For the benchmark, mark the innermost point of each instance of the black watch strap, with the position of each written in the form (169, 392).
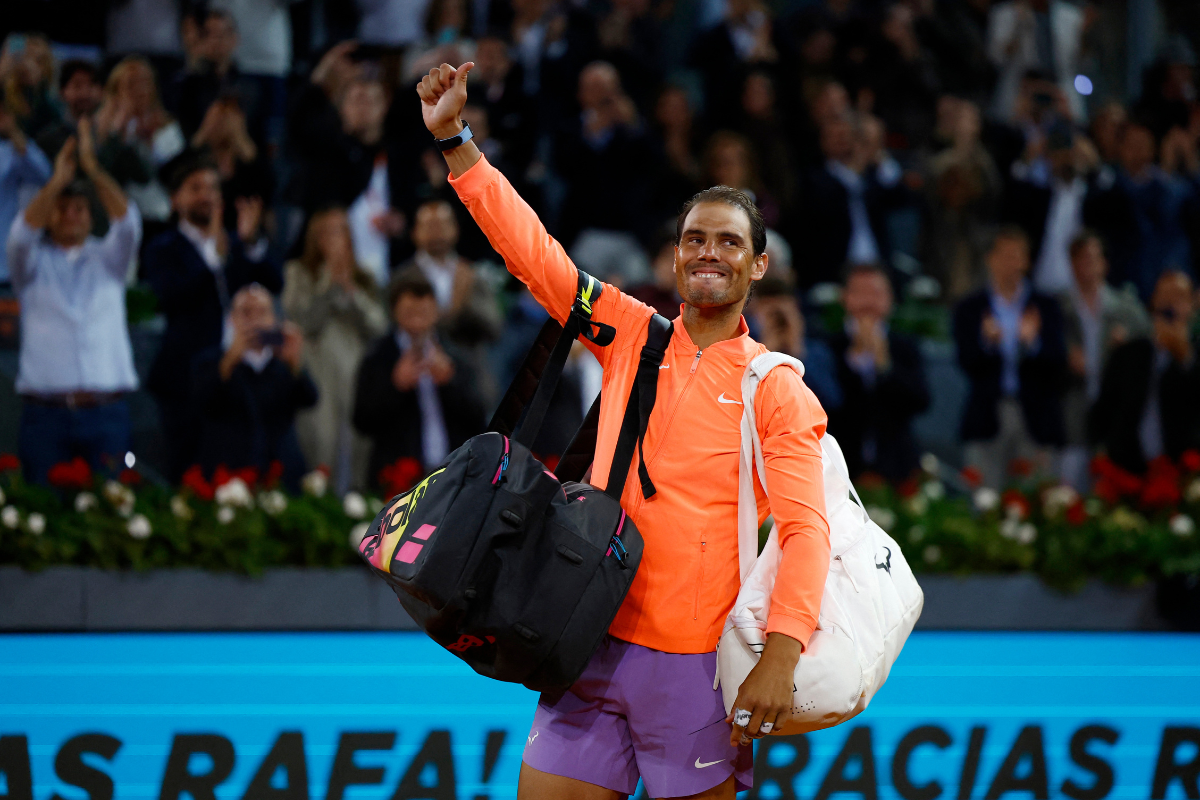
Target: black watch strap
(454, 141)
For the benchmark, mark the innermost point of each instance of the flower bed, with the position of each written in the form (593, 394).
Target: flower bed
(1131, 530)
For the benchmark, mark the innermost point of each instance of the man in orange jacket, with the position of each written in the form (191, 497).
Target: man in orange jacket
(646, 705)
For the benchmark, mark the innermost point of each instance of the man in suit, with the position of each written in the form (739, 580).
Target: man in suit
(846, 201)
(413, 399)
(1149, 402)
(195, 269)
(882, 379)
(1011, 347)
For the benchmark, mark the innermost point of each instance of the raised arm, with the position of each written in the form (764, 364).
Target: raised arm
(511, 226)
(110, 194)
(37, 213)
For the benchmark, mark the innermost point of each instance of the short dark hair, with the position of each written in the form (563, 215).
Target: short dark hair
(410, 280)
(730, 197)
(1011, 233)
(183, 166)
(74, 65)
(1081, 241)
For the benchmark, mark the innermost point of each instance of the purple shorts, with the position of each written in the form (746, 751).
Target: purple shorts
(640, 712)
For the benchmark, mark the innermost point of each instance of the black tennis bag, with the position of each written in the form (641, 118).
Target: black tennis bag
(516, 570)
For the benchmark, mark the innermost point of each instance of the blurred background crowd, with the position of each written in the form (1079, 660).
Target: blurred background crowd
(230, 240)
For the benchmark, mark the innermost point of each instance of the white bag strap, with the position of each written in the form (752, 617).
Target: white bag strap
(752, 457)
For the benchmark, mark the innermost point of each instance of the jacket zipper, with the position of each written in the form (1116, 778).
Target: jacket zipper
(699, 583)
(678, 402)
(503, 465)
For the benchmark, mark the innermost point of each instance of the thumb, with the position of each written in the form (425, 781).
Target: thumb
(460, 75)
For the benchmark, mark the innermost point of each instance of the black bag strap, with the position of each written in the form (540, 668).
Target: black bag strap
(637, 411)
(581, 452)
(579, 323)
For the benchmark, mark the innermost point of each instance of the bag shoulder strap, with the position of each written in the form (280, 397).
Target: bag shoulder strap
(533, 387)
(637, 411)
(752, 457)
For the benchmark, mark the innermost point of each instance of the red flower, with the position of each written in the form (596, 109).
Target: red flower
(1190, 460)
(9, 462)
(130, 477)
(1107, 491)
(249, 475)
(1161, 489)
(1020, 467)
(194, 481)
(221, 476)
(400, 476)
(75, 474)
(908, 488)
(1113, 482)
(973, 476)
(1077, 513)
(274, 474)
(324, 469)
(1014, 499)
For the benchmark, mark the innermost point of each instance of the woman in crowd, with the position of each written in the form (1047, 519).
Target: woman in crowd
(133, 112)
(335, 303)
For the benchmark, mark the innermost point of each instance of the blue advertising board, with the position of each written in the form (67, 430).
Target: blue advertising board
(358, 716)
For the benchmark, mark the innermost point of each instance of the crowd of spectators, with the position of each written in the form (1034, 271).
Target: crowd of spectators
(260, 165)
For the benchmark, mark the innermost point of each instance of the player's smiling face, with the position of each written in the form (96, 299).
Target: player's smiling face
(714, 260)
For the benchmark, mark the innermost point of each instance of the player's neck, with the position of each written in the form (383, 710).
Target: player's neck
(707, 326)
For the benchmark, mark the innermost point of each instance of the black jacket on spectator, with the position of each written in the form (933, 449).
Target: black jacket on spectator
(881, 413)
(392, 418)
(607, 188)
(1116, 417)
(824, 222)
(189, 94)
(189, 297)
(248, 420)
(1042, 374)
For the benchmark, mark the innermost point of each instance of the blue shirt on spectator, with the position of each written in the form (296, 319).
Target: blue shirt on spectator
(17, 172)
(1008, 317)
(74, 335)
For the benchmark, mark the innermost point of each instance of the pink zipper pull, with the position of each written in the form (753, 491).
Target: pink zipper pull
(695, 362)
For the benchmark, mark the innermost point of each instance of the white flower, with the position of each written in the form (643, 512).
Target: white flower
(1182, 525)
(1192, 494)
(1058, 499)
(357, 533)
(85, 501)
(883, 517)
(354, 505)
(121, 497)
(10, 517)
(1009, 526)
(916, 533)
(139, 527)
(274, 502)
(918, 504)
(315, 483)
(225, 515)
(934, 490)
(986, 499)
(36, 524)
(824, 294)
(932, 553)
(234, 492)
(930, 463)
(180, 507)
(1026, 533)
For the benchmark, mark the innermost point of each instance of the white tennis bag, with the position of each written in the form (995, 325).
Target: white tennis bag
(871, 599)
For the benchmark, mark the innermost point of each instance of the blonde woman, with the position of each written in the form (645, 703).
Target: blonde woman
(335, 302)
(133, 112)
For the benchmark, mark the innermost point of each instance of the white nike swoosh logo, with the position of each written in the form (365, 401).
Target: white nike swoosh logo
(709, 764)
(665, 366)
(724, 399)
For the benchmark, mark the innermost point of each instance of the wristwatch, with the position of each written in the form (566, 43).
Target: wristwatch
(454, 141)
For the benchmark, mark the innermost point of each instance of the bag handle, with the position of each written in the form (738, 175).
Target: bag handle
(637, 411)
(579, 323)
(752, 456)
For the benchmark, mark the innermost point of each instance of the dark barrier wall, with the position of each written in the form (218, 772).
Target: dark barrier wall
(357, 716)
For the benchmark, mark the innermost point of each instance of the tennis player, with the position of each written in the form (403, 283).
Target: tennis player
(646, 705)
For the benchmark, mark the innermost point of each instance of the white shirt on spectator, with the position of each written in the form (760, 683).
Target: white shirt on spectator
(372, 248)
(205, 245)
(74, 335)
(264, 35)
(440, 274)
(862, 248)
(1052, 274)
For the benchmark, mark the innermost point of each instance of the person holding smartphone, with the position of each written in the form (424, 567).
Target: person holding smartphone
(248, 391)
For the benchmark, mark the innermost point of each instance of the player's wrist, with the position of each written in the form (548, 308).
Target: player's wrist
(447, 130)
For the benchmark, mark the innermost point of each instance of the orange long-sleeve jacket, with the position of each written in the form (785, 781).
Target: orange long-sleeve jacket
(689, 576)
